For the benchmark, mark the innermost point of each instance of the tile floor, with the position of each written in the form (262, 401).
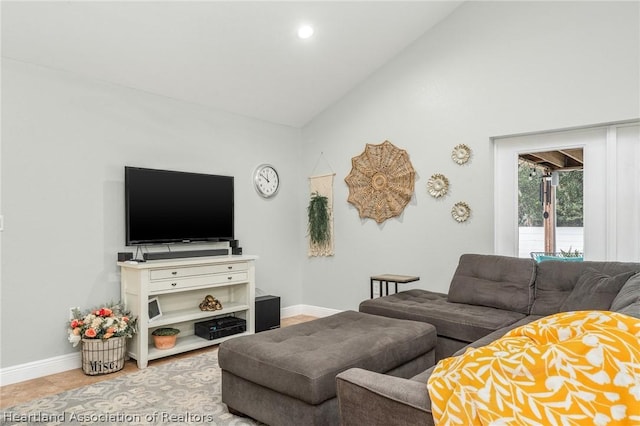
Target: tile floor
(18, 393)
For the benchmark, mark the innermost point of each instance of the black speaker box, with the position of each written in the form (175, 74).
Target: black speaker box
(267, 313)
(124, 256)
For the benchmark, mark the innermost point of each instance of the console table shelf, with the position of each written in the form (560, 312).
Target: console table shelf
(184, 315)
(180, 285)
(188, 343)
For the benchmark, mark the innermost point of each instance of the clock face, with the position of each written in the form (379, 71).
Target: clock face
(266, 180)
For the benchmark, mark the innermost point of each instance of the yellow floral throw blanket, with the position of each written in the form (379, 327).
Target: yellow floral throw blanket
(571, 368)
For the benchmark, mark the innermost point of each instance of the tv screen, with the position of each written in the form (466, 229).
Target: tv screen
(165, 206)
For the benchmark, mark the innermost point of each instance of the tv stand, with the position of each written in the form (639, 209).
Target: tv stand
(180, 285)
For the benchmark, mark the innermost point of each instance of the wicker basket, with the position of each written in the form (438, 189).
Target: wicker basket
(103, 356)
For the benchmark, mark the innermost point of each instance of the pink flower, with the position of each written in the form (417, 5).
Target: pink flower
(105, 312)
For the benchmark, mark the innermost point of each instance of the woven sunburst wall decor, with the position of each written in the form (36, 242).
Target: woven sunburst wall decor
(381, 181)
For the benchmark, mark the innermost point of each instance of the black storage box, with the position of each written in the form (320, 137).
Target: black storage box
(220, 327)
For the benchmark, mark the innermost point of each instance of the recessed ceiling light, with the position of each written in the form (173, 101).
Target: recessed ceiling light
(305, 31)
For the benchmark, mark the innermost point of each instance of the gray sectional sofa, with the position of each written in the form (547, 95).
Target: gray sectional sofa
(488, 296)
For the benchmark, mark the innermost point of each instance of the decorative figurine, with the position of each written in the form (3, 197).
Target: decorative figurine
(210, 303)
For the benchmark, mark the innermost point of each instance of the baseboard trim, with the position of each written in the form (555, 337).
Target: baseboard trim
(314, 311)
(41, 368)
(59, 364)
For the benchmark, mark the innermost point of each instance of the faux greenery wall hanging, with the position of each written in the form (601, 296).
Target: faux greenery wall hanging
(320, 216)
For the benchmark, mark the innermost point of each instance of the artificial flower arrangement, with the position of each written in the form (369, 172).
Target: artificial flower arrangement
(104, 323)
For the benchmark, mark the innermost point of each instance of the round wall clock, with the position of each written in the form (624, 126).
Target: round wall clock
(266, 180)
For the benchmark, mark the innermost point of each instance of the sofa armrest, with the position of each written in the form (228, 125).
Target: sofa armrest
(369, 398)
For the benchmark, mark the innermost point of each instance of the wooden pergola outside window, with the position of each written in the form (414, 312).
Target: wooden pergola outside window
(552, 162)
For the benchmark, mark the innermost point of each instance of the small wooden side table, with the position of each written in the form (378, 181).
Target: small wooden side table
(391, 278)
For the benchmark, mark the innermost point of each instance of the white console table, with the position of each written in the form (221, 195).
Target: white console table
(180, 285)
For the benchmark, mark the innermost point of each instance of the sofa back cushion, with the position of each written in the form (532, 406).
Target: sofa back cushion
(594, 290)
(495, 281)
(555, 281)
(627, 301)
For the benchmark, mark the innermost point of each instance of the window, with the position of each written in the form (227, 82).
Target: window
(550, 204)
(611, 187)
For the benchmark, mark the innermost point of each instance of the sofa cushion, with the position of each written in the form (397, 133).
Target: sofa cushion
(495, 281)
(556, 280)
(489, 338)
(633, 310)
(424, 376)
(594, 290)
(628, 294)
(457, 321)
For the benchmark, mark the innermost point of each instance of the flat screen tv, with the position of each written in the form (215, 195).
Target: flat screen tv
(164, 206)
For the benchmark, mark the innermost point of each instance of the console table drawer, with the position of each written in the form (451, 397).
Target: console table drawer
(200, 281)
(163, 274)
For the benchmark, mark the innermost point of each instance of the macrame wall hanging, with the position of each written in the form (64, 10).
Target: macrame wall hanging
(381, 181)
(320, 214)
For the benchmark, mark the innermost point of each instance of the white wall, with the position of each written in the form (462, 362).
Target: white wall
(625, 178)
(65, 141)
(492, 68)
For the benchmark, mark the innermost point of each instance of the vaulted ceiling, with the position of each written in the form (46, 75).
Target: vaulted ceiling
(238, 56)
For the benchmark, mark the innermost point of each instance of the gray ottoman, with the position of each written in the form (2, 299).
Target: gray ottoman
(287, 376)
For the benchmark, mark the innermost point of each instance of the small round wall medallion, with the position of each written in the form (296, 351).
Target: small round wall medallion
(461, 211)
(461, 154)
(438, 185)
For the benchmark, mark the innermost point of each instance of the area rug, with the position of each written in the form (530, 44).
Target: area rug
(182, 392)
